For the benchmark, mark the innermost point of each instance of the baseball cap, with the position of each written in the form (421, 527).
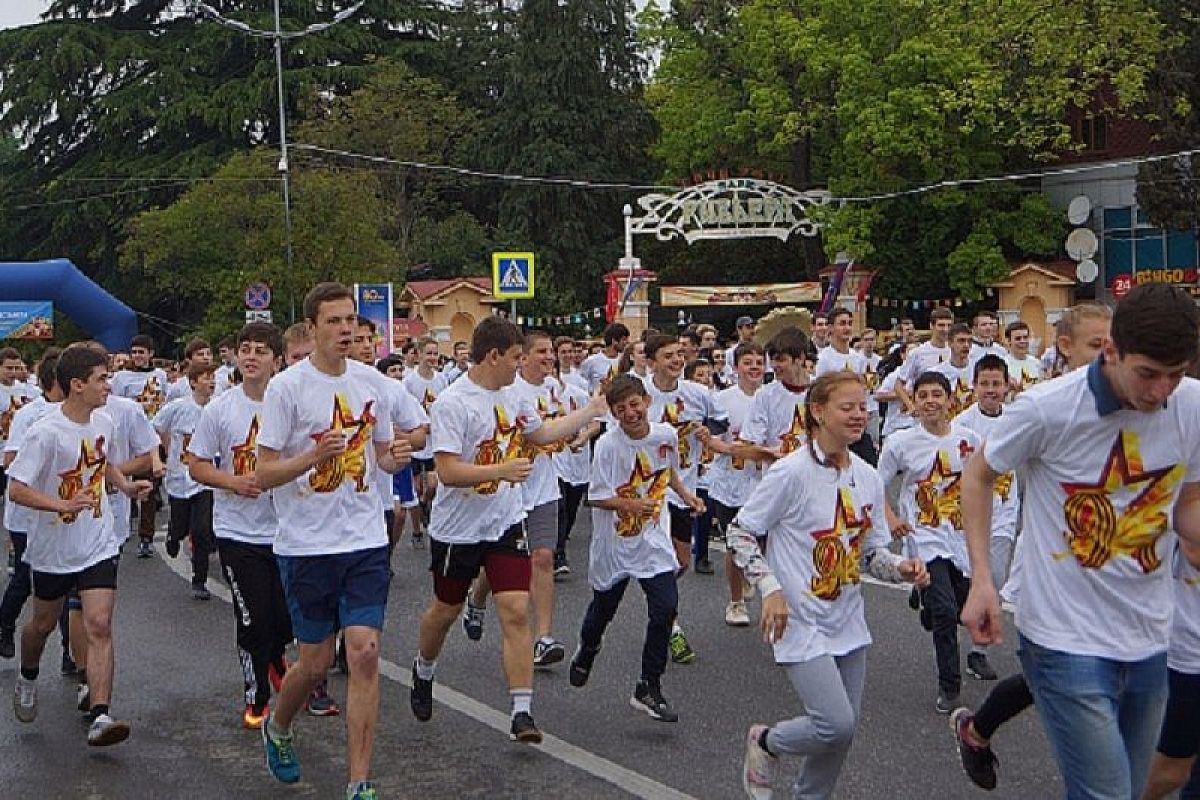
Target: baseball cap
(744, 321)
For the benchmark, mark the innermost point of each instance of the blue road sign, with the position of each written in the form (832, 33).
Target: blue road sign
(512, 275)
(258, 297)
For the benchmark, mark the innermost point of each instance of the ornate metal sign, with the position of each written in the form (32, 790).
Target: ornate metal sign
(732, 208)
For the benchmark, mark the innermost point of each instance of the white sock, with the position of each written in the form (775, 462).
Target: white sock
(522, 700)
(425, 669)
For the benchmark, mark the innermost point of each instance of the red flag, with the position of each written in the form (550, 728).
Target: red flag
(612, 298)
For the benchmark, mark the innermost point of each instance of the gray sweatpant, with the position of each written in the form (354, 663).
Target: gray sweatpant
(830, 688)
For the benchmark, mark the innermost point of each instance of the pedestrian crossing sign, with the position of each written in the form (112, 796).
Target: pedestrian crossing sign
(512, 275)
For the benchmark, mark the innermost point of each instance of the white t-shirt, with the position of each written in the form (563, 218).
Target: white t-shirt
(573, 467)
(962, 386)
(820, 521)
(148, 389)
(597, 369)
(830, 360)
(1025, 371)
(925, 357)
(62, 458)
(17, 517)
(930, 470)
(979, 350)
(425, 391)
(12, 398)
(330, 508)
(1006, 500)
(1184, 652)
(684, 408)
(624, 545)
(776, 418)
(223, 378)
(178, 420)
(732, 479)
(480, 426)
(1100, 488)
(870, 377)
(895, 419)
(407, 415)
(575, 377)
(182, 387)
(541, 486)
(227, 435)
(133, 436)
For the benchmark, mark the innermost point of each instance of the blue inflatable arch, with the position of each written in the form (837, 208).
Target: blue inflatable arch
(105, 317)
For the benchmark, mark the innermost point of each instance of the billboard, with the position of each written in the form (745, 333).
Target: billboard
(27, 320)
(374, 301)
(758, 294)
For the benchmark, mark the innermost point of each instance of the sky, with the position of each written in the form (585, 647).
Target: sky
(20, 12)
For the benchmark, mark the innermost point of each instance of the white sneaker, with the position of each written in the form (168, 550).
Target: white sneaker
(758, 767)
(105, 730)
(747, 589)
(736, 615)
(83, 698)
(25, 700)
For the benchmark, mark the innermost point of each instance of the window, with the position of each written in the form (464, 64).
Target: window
(1131, 243)
(1091, 132)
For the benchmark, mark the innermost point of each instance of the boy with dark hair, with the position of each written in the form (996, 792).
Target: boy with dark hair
(481, 429)
(61, 473)
(985, 327)
(424, 383)
(1024, 369)
(774, 424)
(198, 351)
(147, 385)
(634, 465)
(959, 370)
(226, 375)
(1111, 466)
(599, 368)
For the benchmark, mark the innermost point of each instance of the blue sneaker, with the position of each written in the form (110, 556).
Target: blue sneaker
(363, 790)
(281, 755)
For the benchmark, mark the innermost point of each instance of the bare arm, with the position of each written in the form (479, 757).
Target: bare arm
(564, 427)
(981, 613)
(1187, 516)
(274, 470)
(25, 495)
(1191, 552)
(204, 471)
(453, 471)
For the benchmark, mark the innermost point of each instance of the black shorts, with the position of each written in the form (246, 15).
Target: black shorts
(681, 523)
(54, 585)
(1180, 736)
(421, 465)
(723, 513)
(505, 560)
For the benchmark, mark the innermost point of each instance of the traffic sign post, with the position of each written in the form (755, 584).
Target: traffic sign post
(258, 297)
(512, 276)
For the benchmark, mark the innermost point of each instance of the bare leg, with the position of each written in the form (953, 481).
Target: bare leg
(435, 623)
(362, 699)
(480, 590)
(512, 608)
(97, 624)
(541, 590)
(299, 681)
(1167, 776)
(35, 632)
(737, 581)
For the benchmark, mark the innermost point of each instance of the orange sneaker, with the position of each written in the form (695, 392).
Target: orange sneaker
(252, 717)
(275, 676)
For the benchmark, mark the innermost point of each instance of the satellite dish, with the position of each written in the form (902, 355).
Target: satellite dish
(1079, 210)
(1087, 271)
(1082, 244)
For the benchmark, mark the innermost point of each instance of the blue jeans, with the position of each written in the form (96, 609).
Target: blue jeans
(1102, 717)
(701, 528)
(662, 601)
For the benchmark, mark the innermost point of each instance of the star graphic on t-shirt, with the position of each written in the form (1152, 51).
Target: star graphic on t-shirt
(15, 403)
(962, 396)
(150, 397)
(835, 563)
(791, 439)
(1124, 512)
(245, 455)
(351, 463)
(505, 444)
(644, 482)
(938, 494)
(673, 416)
(77, 479)
(428, 398)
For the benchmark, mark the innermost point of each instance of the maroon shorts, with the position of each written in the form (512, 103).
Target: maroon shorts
(504, 561)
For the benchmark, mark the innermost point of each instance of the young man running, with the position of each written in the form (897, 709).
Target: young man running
(840, 357)
(1109, 455)
(572, 464)
(928, 460)
(985, 327)
(190, 502)
(459, 365)
(61, 473)
(927, 355)
(601, 367)
(1024, 369)
(774, 424)
(635, 464)
(244, 517)
(744, 328)
(732, 478)
(197, 353)
(326, 425)
(424, 383)
(480, 428)
(959, 370)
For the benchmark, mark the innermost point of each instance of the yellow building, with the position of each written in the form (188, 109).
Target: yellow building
(1036, 294)
(447, 310)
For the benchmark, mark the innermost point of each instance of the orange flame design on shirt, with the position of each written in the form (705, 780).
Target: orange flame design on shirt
(938, 494)
(836, 564)
(245, 455)
(683, 429)
(1097, 533)
(77, 479)
(428, 398)
(505, 444)
(6, 417)
(791, 439)
(150, 397)
(328, 475)
(643, 482)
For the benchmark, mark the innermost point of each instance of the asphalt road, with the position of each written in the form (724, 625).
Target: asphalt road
(179, 683)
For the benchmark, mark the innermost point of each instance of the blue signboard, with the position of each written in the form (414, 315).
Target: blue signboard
(512, 275)
(374, 301)
(27, 320)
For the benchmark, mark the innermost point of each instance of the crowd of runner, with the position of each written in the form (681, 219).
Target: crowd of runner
(1065, 486)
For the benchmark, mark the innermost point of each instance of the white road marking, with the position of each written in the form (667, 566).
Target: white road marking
(630, 781)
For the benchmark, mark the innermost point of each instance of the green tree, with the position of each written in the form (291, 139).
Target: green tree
(224, 234)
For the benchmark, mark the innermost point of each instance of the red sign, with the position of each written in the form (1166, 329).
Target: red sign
(1121, 284)
(1176, 275)
(403, 329)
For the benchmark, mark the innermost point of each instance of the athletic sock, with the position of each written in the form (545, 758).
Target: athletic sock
(98, 709)
(425, 669)
(274, 731)
(30, 673)
(762, 741)
(522, 700)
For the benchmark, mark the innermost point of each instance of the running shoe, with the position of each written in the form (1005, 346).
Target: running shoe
(83, 698)
(547, 652)
(524, 729)
(472, 622)
(281, 754)
(758, 766)
(253, 716)
(979, 762)
(681, 651)
(144, 550)
(736, 614)
(105, 731)
(418, 543)
(363, 790)
(979, 668)
(69, 667)
(420, 697)
(561, 567)
(172, 547)
(704, 567)
(201, 592)
(647, 696)
(8, 644)
(25, 699)
(581, 665)
(946, 701)
(320, 704)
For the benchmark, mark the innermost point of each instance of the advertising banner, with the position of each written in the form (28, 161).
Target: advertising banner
(374, 301)
(759, 294)
(27, 320)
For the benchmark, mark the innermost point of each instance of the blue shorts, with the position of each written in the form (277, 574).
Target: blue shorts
(342, 590)
(402, 486)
